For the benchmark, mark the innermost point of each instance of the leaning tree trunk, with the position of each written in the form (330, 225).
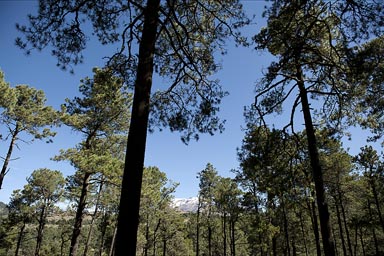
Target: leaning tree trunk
(325, 224)
(9, 153)
(20, 238)
(128, 219)
(79, 215)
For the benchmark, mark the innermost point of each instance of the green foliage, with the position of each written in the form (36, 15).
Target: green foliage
(24, 110)
(190, 35)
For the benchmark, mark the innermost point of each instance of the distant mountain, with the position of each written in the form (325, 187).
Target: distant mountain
(186, 204)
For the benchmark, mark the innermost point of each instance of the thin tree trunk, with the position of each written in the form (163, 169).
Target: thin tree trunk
(164, 247)
(340, 227)
(103, 230)
(274, 245)
(373, 229)
(345, 223)
(40, 230)
(209, 240)
(303, 233)
(315, 225)
(198, 228)
(225, 234)
(93, 220)
(19, 239)
(376, 197)
(79, 215)
(286, 229)
(9, 153)
(325, 224)
(334, 240)
(233, 241)
(128, 219)
(362, 241)
(112, 250)
(356, 228)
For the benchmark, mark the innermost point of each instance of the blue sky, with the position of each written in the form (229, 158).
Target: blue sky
(241, 69)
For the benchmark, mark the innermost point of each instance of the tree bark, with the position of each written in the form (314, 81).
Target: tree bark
(198, 228)
(128, 219)
(224, 234)
(40, 230)
(325, 224)
(339, 222)
(9, 153)
(20, 238)
(376, 197)
(315, 225)
(345, 222)
(303, 233)
(93, 220)
(79, 215)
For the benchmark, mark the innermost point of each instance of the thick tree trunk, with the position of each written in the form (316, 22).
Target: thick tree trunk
(128, 219)
(8, 156)
(325, 224)
(79, 215)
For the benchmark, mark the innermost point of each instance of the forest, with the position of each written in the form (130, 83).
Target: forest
(296, 191)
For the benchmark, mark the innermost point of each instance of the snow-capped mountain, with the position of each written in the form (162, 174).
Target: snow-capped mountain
(186, 204)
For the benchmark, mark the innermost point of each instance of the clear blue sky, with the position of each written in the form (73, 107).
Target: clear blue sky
(241, 69)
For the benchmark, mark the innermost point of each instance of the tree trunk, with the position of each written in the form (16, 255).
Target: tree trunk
(362, 241)
(198, 228)
(345, 223)
(356, 228)
(376, 197)
(9, 153)
(209, 240)
(233, 241)
(325, 224)
(225, 234)
(373, 229)
(285, 219)
(112, 249)
(315, 224)
(164, 247)
(93, 220)
(40, 230)
(79, 215)
(303, 233)
(128, 219)
(340, 227)
(19, 239)
(103, 230)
